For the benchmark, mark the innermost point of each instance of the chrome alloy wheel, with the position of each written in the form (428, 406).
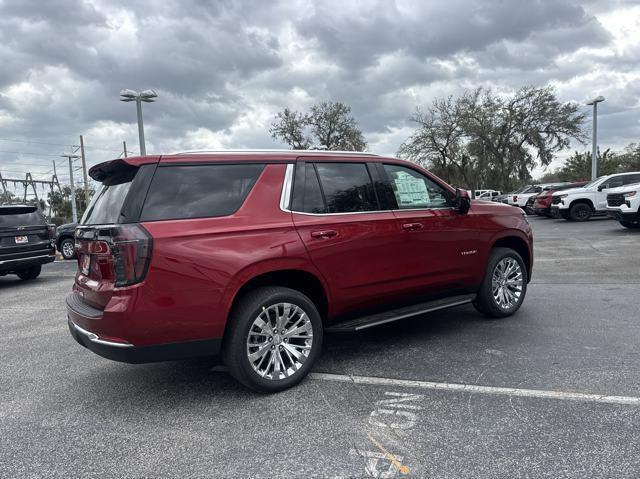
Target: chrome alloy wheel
(68, 249)
(279, 341)
(506, 283)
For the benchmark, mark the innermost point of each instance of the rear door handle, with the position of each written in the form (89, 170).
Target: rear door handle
(324, 234)
(412, 226)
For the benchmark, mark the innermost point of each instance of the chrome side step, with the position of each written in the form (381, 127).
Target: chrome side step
(370, 321)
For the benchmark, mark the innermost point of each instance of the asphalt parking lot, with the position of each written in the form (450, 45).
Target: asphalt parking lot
(552, 392)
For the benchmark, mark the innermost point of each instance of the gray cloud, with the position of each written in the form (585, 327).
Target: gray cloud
(223, 69)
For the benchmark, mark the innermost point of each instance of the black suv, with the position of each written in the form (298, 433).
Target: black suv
(26, 241)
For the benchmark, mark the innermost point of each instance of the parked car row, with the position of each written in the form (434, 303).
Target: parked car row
(580, 204)
(616, 195)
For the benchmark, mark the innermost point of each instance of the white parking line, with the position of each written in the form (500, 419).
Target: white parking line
(470, 388)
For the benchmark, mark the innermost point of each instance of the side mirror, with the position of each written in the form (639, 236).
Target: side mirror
(462, 202)
(601, 187)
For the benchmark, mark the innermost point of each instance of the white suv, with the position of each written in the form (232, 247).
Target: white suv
(580, 204)
(623, 204)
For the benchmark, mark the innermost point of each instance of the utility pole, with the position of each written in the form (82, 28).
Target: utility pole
(84, 171)
(124, 148)
(594, 139)
(74, 209)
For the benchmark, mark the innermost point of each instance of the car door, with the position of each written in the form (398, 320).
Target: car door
(601, 192)
(349, 235)
(438, 244)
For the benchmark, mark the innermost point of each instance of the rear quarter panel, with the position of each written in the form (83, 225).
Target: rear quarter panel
(198, 264)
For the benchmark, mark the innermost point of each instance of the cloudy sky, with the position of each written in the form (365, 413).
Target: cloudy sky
(224, 68)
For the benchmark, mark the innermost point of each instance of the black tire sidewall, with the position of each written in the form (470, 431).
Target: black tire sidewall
(249, 307)
(485, 302)
(30, 273)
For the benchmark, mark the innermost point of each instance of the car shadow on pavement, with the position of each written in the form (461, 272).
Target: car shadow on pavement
(180, 382)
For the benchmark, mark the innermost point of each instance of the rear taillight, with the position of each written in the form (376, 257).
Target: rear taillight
(51, 229)
(131, 250)
(118, 253)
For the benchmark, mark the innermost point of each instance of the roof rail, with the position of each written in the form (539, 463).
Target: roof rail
(266, 151)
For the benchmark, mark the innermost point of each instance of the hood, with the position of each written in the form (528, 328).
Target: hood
(571, 191)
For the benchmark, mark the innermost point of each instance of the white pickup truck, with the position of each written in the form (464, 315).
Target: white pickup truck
(623, 204)
(580, 204)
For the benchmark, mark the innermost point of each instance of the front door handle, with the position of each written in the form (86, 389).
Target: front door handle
(412, 226)
(324, 234)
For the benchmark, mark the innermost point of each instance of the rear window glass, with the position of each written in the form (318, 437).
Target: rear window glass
(106, 204)
(12, 217)
(198, 191)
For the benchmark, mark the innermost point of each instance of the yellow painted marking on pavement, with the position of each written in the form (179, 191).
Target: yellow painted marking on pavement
(403, 469)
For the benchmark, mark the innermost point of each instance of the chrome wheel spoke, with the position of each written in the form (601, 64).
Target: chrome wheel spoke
(507, 283)
(279, 341)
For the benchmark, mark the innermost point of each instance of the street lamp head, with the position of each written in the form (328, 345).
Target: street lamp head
(128, 95)
(148, 96)
(597, 99)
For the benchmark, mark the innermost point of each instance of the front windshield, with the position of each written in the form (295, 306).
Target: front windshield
(592, 183)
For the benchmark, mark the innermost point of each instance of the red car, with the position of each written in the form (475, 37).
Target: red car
(542, 202)
(256, 255)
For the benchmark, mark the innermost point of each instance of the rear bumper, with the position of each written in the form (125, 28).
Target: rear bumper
(15, 264)
(123, 351)
(128, 353)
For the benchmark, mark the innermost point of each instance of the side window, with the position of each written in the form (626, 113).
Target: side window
(631, 179)
(307, 197)
(614, 182)
(347, 187)
(414, 190)
(198, 191)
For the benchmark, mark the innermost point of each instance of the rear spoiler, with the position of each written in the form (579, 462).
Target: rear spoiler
(120, 170)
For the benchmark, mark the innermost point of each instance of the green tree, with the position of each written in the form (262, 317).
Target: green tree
(483, 139)
(60, 203)
(327, 126)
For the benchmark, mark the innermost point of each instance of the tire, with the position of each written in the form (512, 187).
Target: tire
(270, 303)
(67, 248)
(580, 212)
(630, 225)
(486, 302)
(29, 273)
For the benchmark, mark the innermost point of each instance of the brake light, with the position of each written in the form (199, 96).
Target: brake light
(131, 251)
(114, 253)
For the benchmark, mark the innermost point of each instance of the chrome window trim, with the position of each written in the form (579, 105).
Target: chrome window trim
(287, 188)
(95, 339)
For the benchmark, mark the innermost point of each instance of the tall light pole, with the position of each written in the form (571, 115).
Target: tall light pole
(147, 96)
(74, 209)
(594, 146)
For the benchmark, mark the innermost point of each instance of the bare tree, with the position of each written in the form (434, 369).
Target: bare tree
(481, 138)
(327, 126)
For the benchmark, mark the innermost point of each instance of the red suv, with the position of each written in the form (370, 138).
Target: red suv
(542, 202)
(256, 254)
